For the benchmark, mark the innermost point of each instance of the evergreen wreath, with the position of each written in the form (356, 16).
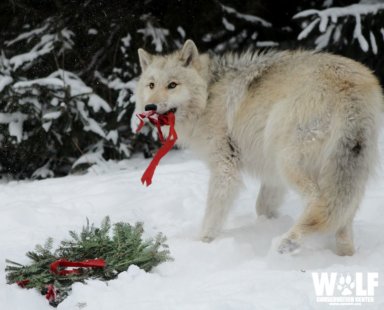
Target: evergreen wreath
(108, 254)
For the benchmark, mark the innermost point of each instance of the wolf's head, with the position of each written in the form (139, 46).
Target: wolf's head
(173, 82)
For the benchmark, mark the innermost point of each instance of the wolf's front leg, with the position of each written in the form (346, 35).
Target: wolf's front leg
(224, 185)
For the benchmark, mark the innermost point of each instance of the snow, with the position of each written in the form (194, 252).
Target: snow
(158, 35)
(89, 123)
(77, 87)
(307, 30)
(92, 157)
(45, 45)
(373, 42)
(357, 34)
(15, 123)
(246, 17)
(335, 12)
(66, 38)
(113, 136)
(66, 78)
(97, 103)
(229, 26)
(181, 31)
(19, 60)
(123, 149)
(43, 172)
(239, 270)
(43, 81)
(28, 100)
(46, 126)
(52, 115)
(266, 44)
(116, 83)
(29, 35)
(127, 40)
(337, 34)
(5, 81)
(322, 41)
(92, 31)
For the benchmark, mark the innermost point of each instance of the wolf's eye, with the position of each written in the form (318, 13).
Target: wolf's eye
(171, 85)
(151, 85)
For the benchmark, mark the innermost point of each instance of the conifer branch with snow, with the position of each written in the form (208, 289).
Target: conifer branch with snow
(327, 22)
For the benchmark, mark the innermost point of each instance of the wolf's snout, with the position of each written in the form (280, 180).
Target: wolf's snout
(150, 107)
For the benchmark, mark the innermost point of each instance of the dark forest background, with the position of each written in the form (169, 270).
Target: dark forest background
(68, 68)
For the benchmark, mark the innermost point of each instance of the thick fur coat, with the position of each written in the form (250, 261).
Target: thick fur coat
(295, 119)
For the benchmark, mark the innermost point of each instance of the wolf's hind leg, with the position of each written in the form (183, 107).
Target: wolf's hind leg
(315, 215)
(337, 193)
(269, 199)
(315, 218)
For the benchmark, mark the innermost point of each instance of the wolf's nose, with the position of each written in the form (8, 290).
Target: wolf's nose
(150, 107)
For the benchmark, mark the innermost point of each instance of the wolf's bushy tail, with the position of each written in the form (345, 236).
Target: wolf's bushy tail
(350, 162)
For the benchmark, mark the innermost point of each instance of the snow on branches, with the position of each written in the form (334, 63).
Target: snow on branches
(239, 27)
(327, 21)
(47, 123)
(45, 38)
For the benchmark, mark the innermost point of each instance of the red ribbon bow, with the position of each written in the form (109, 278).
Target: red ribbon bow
(158, 120)
(89, 263)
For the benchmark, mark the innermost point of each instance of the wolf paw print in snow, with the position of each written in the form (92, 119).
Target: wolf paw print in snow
(345, 285)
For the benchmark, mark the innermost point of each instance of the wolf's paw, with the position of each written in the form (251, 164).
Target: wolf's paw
(345, 285)
(267, 215)
(288, 246)
(345, 249)
(207, 239)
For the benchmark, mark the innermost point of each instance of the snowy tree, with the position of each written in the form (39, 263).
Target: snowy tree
(48, 122)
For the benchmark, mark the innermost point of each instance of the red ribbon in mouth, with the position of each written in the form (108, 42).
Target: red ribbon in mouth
(158, 120)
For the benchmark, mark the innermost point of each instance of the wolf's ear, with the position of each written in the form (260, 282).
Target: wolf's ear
(145, 58)
(189, 53)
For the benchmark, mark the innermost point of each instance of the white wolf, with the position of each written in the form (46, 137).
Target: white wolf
(296, 119)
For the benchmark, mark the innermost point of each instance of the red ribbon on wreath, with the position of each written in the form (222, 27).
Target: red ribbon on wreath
(89, 263)
(158, 120)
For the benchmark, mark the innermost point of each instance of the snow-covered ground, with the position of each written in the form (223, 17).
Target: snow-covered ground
(239, 270)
